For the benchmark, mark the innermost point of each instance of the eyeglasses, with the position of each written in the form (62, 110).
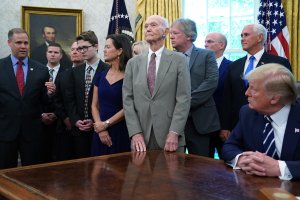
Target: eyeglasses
(212, 41)
(84, 49)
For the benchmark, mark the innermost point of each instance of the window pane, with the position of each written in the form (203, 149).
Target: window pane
(237, 25)
(242, 7)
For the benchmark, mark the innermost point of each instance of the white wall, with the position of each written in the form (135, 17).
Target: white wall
(96, 14)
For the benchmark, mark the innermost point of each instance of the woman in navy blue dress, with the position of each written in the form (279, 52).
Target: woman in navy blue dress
(111, 134)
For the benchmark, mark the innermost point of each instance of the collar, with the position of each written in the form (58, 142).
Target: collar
(189, 51)
(157, 53)
(219, 60)
(258, 55)
(281, 116)
(94, 65)
(15, 60)
(56, 68)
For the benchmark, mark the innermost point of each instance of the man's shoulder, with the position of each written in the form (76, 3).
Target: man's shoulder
(5, 59)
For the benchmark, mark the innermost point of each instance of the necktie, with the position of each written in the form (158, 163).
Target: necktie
(20, 77)
(249, 68)
(269, 140)
(88, 82)
(151, 73)
(51, 75)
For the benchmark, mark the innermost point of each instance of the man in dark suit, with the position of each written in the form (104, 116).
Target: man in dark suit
(49, 116)
(253, 38)
(79, 104)
(217, 42)
(23, 91)
(39, 53)
(203, 120)
(266, 139)
(156, 93)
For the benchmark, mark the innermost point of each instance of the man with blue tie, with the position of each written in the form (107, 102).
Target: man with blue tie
(266, 139)
(253, 38)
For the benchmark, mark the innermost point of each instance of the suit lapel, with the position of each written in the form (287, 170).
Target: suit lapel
(263, 60)
(29, 78)
(194, 55)
(142, 65)
(291, 135)
(11, 76)
(165, 63)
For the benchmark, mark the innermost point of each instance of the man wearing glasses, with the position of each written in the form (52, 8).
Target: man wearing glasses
(79, 93)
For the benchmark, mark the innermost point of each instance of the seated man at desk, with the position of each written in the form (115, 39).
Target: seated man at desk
(266, 140)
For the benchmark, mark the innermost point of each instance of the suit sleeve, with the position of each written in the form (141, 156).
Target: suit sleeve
(234, 145)
(294, 167)
(183, 98)
(206, 89)
(131, 117)
(225, 114)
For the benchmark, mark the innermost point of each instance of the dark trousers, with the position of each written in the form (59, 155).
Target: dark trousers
(81, 143)
(216, 143)
(30, 152)
(197, 143)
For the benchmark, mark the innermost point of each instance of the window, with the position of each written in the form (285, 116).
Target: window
(225, 16)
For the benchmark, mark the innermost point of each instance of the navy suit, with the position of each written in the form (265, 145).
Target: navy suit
(74, 99)
(247, 136)
(216, 141)
(234, 88)
(20, 116)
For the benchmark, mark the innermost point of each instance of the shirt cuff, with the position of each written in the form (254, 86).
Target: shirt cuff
(234, 161)
(284, 171)
(174, 132)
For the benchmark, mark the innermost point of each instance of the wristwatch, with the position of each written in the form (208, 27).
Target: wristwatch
(106, 124)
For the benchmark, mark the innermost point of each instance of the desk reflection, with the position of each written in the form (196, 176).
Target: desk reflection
(136, 175)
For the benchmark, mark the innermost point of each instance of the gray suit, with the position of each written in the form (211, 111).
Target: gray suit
(203, 118)
(168, 108)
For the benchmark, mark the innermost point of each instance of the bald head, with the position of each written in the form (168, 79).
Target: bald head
(216, 42)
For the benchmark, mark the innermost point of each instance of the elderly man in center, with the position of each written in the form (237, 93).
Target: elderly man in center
(156, 93)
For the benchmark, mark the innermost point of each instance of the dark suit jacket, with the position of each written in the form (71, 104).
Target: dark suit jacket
(247, 136)
(204, 80)
(39, 54)
(218, 95)
(50, 107)
(234, 88)
(22, 114)
(75, 96)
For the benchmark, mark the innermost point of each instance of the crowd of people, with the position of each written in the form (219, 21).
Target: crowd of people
(146, 97)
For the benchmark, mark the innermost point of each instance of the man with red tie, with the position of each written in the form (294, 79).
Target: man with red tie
(24, 88)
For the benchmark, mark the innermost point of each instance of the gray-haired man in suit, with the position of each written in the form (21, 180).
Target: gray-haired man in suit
(203, 121)
(156, 93)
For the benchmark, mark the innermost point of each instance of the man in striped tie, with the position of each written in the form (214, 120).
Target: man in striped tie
(266, 139)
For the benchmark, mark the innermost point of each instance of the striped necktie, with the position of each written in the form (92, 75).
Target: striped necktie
(20, 77)
(269, 140)
(151, 73)
(88, 82)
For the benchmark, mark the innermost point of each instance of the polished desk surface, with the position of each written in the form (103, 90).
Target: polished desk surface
(149, 175)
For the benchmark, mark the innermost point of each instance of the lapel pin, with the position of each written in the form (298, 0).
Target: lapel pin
(31, 69)
(297, 130)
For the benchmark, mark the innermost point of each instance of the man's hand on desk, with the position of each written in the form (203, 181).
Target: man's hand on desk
(171, 142)
(259, 164)
(138, 142)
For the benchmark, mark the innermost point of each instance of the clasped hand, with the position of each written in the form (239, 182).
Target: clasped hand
(257, 163)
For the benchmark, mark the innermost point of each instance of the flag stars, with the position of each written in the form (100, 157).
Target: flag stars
(274, 22)
(275, 13)
(276, 4)
(269, 13)
(274, 31)
(122, 16)
(281, 14)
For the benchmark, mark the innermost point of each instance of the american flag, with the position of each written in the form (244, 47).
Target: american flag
(271, 15)
(119, 20)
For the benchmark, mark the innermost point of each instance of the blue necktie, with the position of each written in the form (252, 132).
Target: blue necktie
(249, 68)
(269, 140)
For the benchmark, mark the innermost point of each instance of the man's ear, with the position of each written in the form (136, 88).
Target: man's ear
(275, 99)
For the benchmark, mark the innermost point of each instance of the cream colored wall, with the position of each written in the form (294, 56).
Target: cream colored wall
(96, 14)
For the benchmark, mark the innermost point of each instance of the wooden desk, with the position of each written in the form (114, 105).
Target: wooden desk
(150, 175)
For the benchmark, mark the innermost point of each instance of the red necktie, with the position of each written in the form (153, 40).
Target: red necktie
(151, 73)
(20, 77)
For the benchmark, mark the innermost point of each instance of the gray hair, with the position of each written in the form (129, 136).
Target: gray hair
(188, 27)
(260, 29)
(13, 31)
(278, 80)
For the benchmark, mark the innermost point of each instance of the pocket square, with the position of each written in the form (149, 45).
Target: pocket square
(297, 130)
